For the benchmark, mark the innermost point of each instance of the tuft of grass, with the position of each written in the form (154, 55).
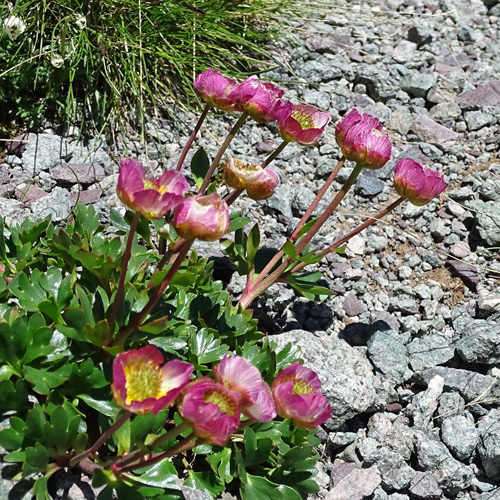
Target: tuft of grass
(90, 62)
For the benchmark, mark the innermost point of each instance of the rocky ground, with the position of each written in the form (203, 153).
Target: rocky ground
(409, 347)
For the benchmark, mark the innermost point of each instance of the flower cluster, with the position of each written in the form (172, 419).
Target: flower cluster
(262, 102)
(213, 407)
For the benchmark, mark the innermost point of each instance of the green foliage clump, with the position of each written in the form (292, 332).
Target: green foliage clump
(56, 291)
(79, 59)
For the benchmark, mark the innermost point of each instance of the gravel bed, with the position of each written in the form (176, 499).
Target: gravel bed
(409, 347)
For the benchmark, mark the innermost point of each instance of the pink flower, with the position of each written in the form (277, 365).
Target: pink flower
(301, 123)
(417, 183)
(211, 410)
(297, 392)
(219, 91)
(259, 182)
(238, 375)
(353, 118)
(259, 99)
(361, 140)
(203, 217)
(153, 198)
(141, 385)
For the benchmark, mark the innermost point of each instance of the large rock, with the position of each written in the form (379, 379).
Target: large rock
(433, 456)
(45, 152)
(346, 374)
(388, 353)
(488, 218)
(480, 340)
(483, 96)
(350, 482)
(489, 444)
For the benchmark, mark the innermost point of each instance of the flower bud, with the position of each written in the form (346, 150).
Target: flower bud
(203, 217)
(259, 100)
(259, 182)
(153, 198)
(361, 140)
(300, 123)
(417, 183)
(219, 91)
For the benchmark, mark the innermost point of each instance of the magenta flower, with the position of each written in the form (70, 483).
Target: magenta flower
(361, 140)
(259, 182)
(297, 392)
(211, 410)
(259, 100)
(238, 375)
(203, 217)
(301, 123)
(417, 183)
(219, 91)
(153, 198)
(353, 118)
(141, 385)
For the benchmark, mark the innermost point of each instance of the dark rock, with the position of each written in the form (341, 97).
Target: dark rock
(425, 487)
(420, 34)
(17, 145)
(417, 84)
(83, 173)
(467, 273)
(428, 130)
(434, 457)
(369, 186)
(471, 385)
(85, 197)
(352, 305)
(489, 445)
(483, 96)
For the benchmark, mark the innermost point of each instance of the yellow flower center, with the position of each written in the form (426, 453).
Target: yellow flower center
(303, 118)
(299, 386)
(222, 400)
(151, 184)
(143, 380)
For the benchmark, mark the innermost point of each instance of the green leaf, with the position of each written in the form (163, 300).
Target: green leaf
(12, 438)
(289, 249)
(260, 488)
(117, 220)
(307, 226)
(44, 380)
(222, 465)
(256, 450)
(103, 406)
(205, 481)
(162, 475)
(37, 459)
(200, 165)
(237, 222)
(40, 488)
(206, 347)
(253, 243)
(34, 423)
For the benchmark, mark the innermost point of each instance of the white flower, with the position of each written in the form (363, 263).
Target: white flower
(80, 21)
(13, 26)
(56, 60)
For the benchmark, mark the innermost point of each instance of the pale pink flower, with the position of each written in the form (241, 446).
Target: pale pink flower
(301, 123)
(211, 410)
(153, 198)
(217, 90)
(259, 182)
(203, 217)
(297, 393)
(417, 183)
(142, 385)
(238, 375)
